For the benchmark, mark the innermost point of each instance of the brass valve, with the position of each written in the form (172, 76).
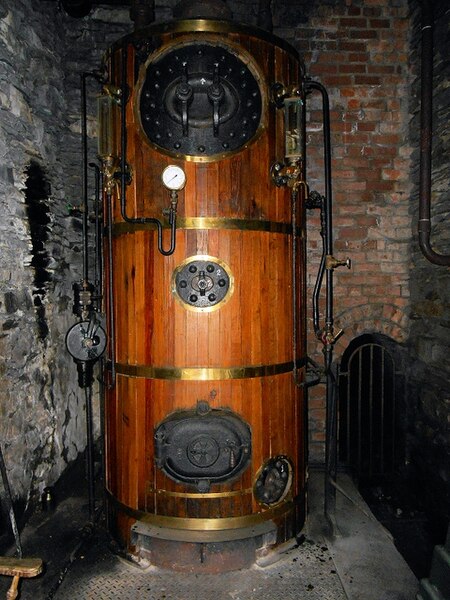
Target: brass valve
(328, 337)
(333, 263)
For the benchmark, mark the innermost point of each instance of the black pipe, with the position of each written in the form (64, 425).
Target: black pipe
(90, 454)
(265, 19)
(315, 200)
(426, 115)
(142, 12)
(327, 333)
(84, 176)
(123, 175)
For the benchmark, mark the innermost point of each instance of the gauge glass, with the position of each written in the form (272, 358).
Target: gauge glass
(173, 177)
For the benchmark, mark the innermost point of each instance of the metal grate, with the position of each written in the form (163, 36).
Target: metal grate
(304, 572)
(371, 393)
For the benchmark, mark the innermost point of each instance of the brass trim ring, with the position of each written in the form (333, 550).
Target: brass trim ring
(210, 223)
(199, 496)
(203, 524)
(206, 373)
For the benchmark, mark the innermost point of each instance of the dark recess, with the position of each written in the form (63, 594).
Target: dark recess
(37, 192)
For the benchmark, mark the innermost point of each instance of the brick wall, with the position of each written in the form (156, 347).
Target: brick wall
(359, 50)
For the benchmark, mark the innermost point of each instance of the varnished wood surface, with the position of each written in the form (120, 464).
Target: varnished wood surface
(254, 327)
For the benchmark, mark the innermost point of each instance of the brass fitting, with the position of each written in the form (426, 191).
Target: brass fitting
(332, 263)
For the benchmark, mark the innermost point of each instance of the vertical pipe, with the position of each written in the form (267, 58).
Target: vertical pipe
(371, 410)
(331, 414)
(90, 453)
(265, 15)
(84, 177)
(426, 115)
(359, 410)
(382, 432)
(142, 12)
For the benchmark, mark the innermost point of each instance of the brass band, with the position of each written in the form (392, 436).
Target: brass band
(210, 223)
(204, 524)
(198, 496)
(206, 373)
(206, 26)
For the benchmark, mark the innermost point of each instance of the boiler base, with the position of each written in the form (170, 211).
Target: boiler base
(170, 549)
(206, 546)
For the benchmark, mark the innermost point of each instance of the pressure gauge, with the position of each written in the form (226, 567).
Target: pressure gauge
(174, 178)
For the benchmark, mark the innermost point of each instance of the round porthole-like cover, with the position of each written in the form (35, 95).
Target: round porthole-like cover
(202, 283)
(200, 100)
(274, 481)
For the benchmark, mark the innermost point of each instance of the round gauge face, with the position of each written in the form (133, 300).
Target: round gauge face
(173, 177)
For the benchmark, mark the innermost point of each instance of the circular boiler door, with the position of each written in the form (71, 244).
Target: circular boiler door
(200, 99)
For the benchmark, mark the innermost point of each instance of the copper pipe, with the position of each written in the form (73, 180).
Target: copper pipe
(426, 115)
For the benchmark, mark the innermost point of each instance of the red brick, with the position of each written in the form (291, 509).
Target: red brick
(380, 69)
(362, 126)
(355, 57)
(324, 68)
(372, 11)
(349, 22)
(352, 46)
(347, 92)
(386, 140)
(363, 34)
(380, 23)
(352, 68)
(367, 80)
(352, 233)
(337, 80)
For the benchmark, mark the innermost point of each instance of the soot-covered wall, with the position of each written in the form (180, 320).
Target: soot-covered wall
(365, 53)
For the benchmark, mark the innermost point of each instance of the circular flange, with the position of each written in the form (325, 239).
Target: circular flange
(202, 283)
(273, 481)
(200, 100)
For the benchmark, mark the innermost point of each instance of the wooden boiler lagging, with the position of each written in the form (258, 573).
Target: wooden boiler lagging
(205, 439)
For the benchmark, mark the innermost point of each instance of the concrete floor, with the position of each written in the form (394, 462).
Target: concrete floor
(357, 561)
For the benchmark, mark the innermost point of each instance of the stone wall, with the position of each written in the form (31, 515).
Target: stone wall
(39, 404)
(429, 339)
(42, 52)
